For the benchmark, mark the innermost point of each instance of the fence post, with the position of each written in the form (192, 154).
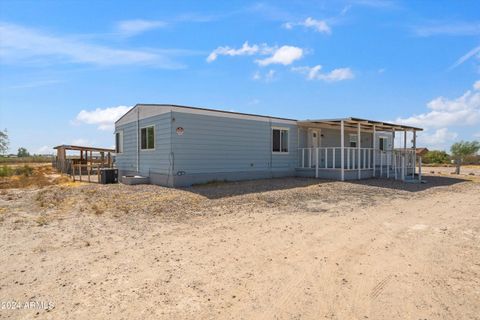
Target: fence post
(381, 164)
(326, 157)
(333, 163)
(316, 162)
(303, 157)
(420, 168)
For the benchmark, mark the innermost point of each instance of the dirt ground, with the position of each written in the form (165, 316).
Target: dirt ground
(268, 249)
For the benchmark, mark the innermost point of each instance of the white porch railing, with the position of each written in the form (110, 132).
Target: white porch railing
(398, 164)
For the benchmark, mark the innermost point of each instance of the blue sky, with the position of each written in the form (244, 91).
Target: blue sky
(68, 69)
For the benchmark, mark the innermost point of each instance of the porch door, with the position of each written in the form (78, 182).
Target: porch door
(314, 142)
(314, 138)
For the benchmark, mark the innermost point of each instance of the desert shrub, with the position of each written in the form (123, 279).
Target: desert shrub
(436, 157)
(5, 171)
(473, 159)
(25, 170)
(41, 220)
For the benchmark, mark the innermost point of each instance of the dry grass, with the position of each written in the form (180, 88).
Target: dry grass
(31, 175)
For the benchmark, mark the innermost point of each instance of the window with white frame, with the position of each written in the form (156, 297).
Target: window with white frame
(119, 142)
(147, 138)
(353, 137)
(382, 143)
(280, 140)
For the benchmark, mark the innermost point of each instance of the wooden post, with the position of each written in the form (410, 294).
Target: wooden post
(381, 163)
(326, 154)
(395, 164)
(420, 168)
(333, 164)
(88, 172)
(309, 157)
(316, 162)
(342, 150)
(414, 153)
(80, 170)
(303, 157)
(374, 148)
(358, 151)
(348, 158)
(404, 153)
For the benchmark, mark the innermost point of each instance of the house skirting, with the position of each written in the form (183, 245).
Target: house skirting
(200, 178)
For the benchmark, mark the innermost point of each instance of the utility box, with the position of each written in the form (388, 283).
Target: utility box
(108, 175)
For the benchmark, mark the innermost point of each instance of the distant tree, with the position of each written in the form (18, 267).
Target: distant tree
(463, 149)
(4, 142)
(22, 152)
(436, 156)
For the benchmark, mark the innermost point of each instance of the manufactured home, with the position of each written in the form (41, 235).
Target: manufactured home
(176, 145)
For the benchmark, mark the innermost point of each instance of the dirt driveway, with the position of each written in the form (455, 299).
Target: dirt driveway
(271, 249)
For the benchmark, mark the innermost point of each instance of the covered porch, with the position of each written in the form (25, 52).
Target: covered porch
(353, 148)
(88, 163)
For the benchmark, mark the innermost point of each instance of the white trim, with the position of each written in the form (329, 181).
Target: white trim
(120, 142)
(288, 140)
(154, 138)
(342, 152)
(386, 144)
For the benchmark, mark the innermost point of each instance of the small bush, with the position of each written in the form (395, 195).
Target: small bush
(42, 221)
(26, 171)
(436, 157)
(5, 171)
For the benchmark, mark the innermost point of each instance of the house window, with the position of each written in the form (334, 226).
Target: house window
(382, 144)
(119, 142)
(280, 140)
(353, 140)
(147, 138)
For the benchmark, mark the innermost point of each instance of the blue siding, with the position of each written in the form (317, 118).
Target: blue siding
(150, 161)
(213, 144)
(127, 160)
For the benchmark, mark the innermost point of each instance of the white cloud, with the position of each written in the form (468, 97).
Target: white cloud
(475, 52)
(284, 55)
(134, 27)
(317, 25)
(439, 139)
(448, 29)
(21, 44)
(314, 73)
(103, 118)
(267, 77)
(245, 50)
(464, 110)
(476, 85)
(446, 113)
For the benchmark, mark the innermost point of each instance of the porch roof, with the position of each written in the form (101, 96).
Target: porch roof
(353, 122)
(82, 148)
